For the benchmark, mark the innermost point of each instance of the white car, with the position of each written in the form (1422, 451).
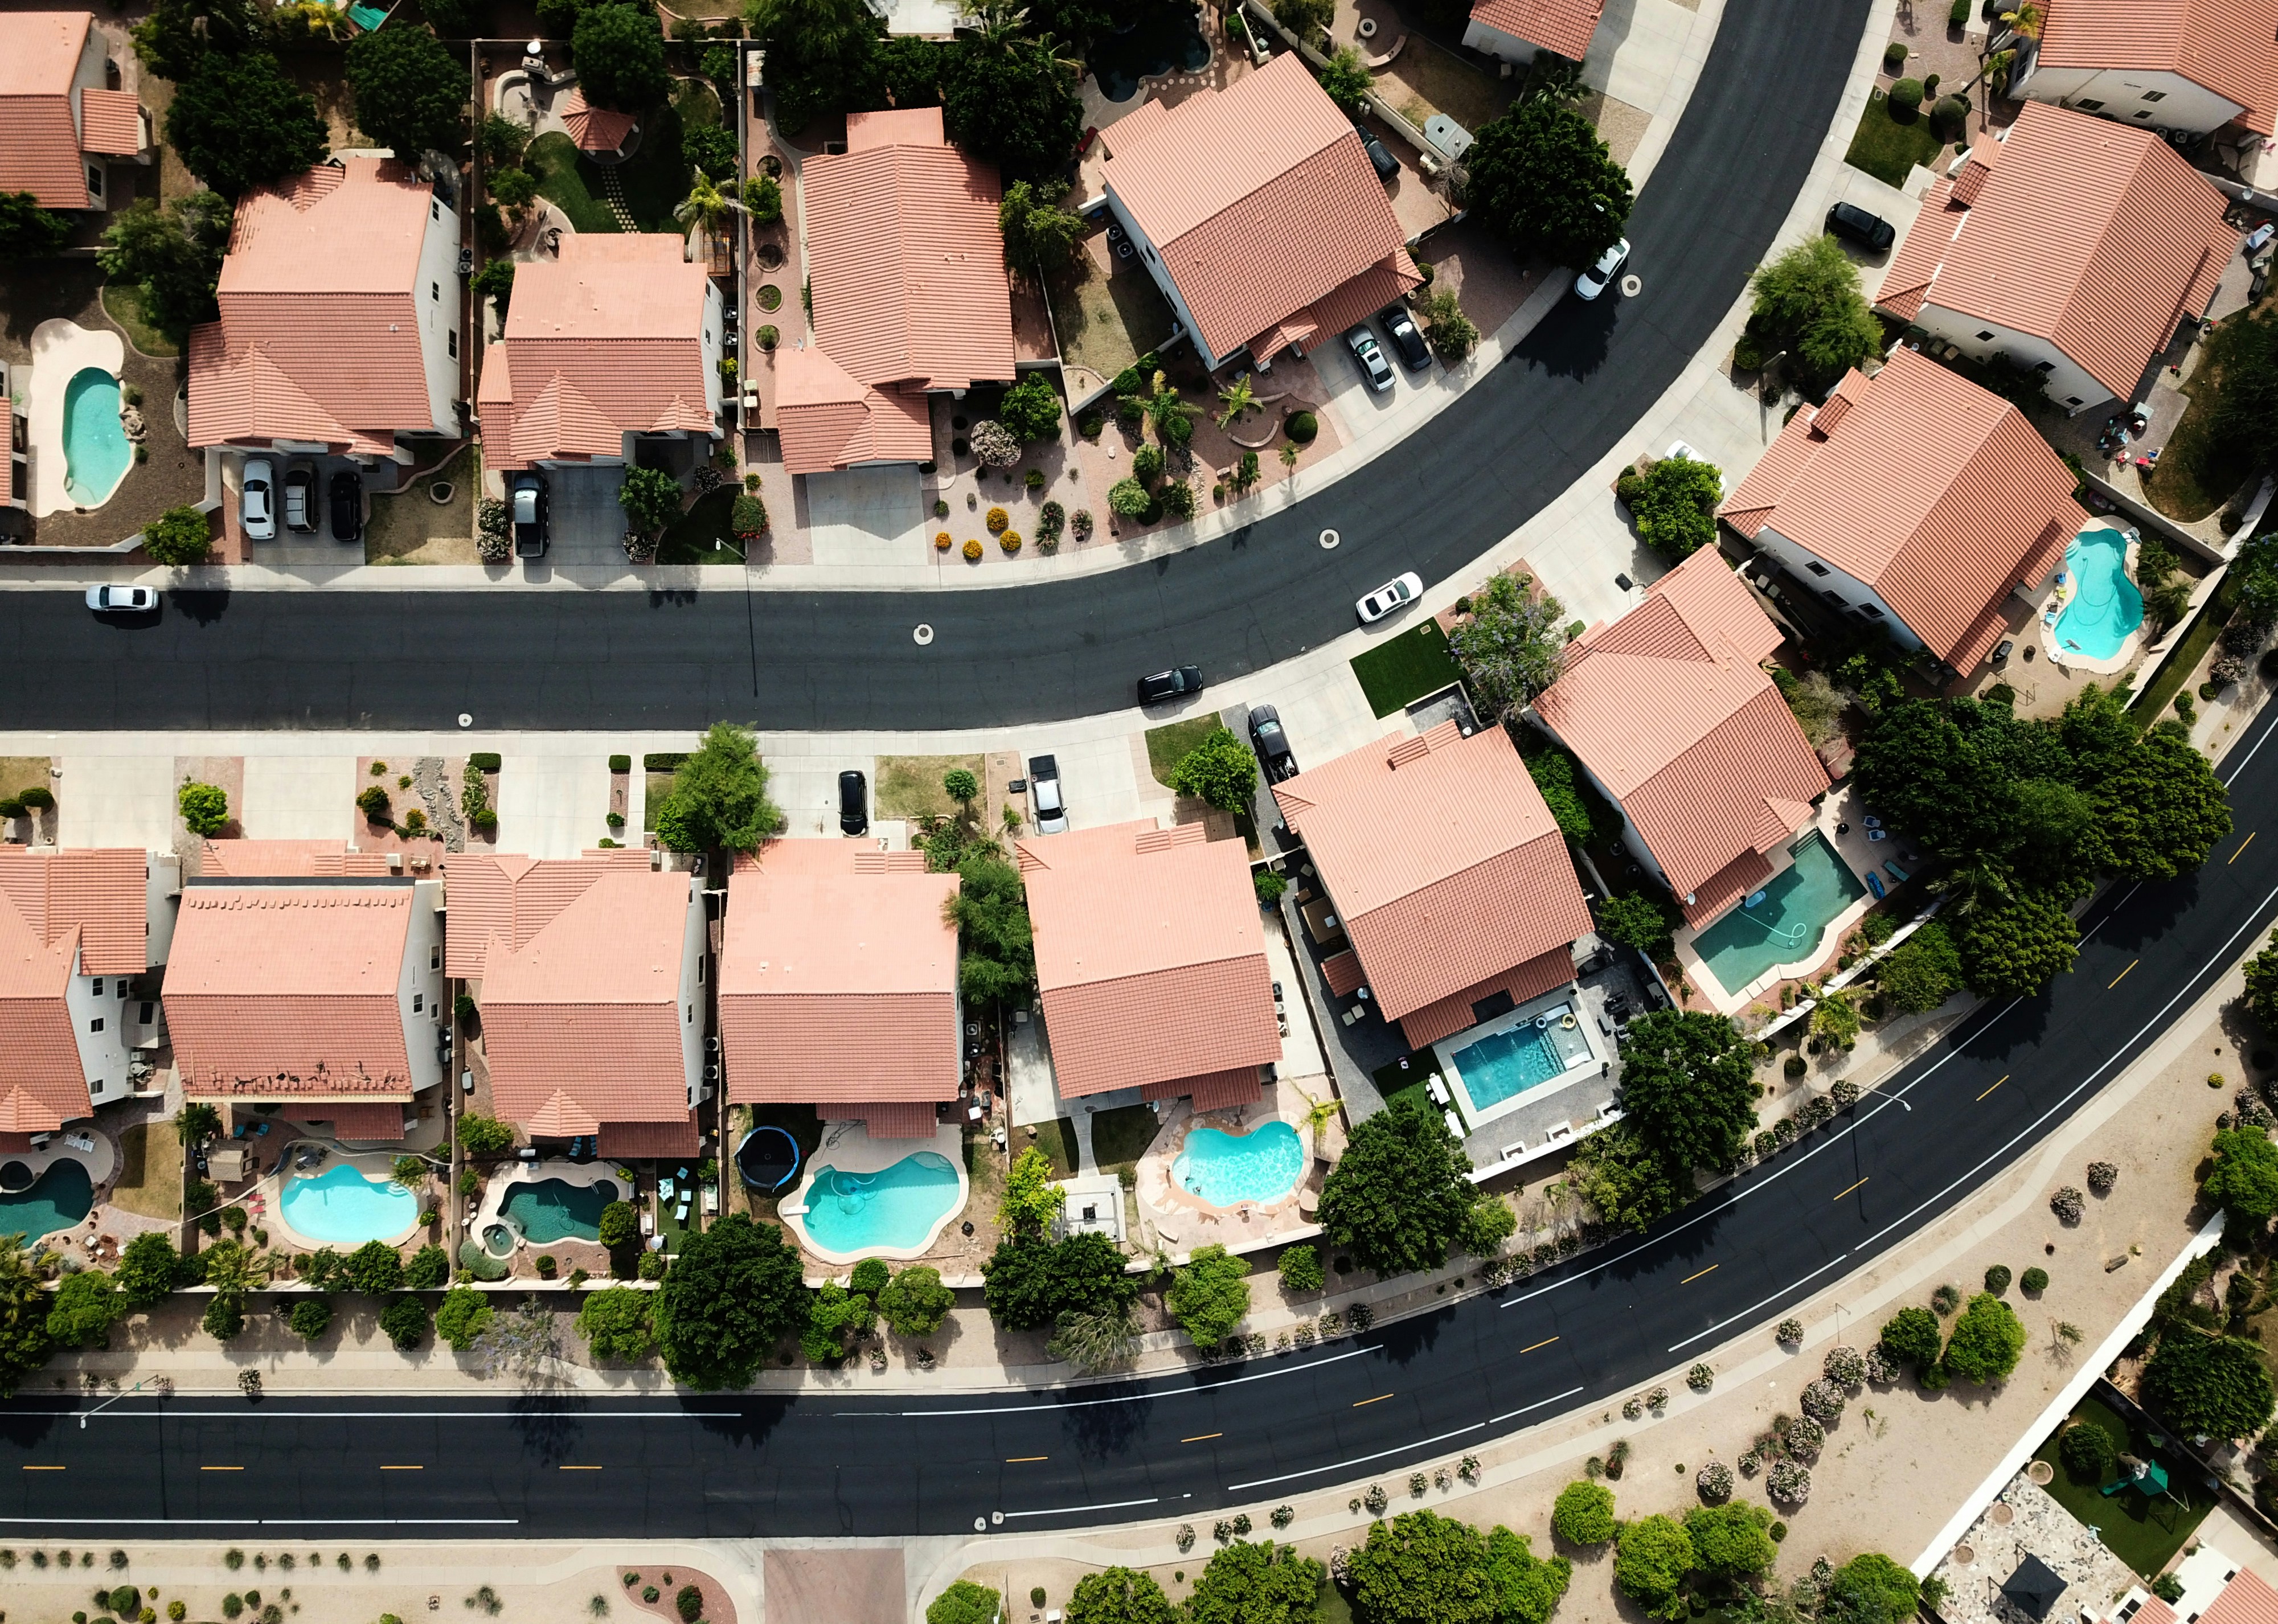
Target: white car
(122, 599)
(1595, 280)
(259, 499)
(1678, 448)
(1392, 594)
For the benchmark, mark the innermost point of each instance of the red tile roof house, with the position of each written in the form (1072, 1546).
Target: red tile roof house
(1449, 876)
(589, 972)
(1257, 214)
(2076, 247)
(339, 320)
(76, 928)
(2160, 64)
(1670, 713)
(1917, 502)
(907, 270)
(61, 123)
(1515, 30)
(838, 985)
(616, 340)
(1151, 963)
(320, 996)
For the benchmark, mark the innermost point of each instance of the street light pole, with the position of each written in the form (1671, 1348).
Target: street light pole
(106, 1404)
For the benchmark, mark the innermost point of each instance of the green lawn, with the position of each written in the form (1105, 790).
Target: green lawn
(553, 157)
(1120, 1137)
(2142, 1533)
(702, 535)
(1169, 744)
(1055, 1138)
(2154, 703)
(122, 302)
(655, 177)
(2195, 475)
(1395, 1084)
(1333, 1608)
(1887, 149)
(1399, 673)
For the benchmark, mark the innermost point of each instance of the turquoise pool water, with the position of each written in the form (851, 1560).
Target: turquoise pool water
(1227, 1170)
(342, 1206)
(896, 1208)
(2105, 606)
(1786, 925)
(58, 1199)
(1503, 1064)
(550, 1209)
(97, 455)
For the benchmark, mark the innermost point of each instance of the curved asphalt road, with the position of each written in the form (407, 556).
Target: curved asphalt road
(793, 659)
(852, 1463)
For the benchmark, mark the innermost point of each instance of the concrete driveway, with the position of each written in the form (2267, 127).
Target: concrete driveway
(589, 524)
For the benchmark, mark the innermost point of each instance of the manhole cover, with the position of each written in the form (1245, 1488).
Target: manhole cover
(922, 636)
(1630, 286)
(1329, 539)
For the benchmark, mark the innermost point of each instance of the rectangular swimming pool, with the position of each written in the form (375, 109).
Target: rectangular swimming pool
(1786, 925)
(1504, 1065)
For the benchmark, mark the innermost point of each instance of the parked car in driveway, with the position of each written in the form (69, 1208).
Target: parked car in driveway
(1400, 327)
(1368, 357)
(1678, 448)
(530, 520)
(1394, 594)
(1272, 743)
(853, 803)
(1380, 156)
(257, 499)
(348, 506)
(1170, 684)
(1599, 277)
(122, 599)
(1870, 232)
(1047, 811)
(301, 498)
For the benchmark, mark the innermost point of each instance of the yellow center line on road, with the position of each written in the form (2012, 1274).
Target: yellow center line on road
(1023, 1459)
(221, 1468)
(581, 1469)
(1530, 1346)
(1380, 1398)
(2243, 845)
(403, 1468)
(2122, 976)
(1711, 1270)
(1839, 1194)
(47, 1468)
(1202, 1438)
(1997, 1083)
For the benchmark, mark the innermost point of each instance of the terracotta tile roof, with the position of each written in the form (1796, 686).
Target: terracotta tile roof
(41, 1073)
(1261, 203)
(2092, 235)
(1214, 1092)
(511, 898)
(318, 338)
(827, 419)
(258, 859)
(561, 1117)
(905, 256)
(1728, 885)
(1563, 26)
(1937, 494)
(278, 991)
(630, 1140)
(594, 129)
(2230, 49)
(1446, 867)
(39, 142)
(1344, 973)
(381, 1123)
(111, 122)
(23, 1111)
(588, 1003)
(887, 1119)
(605, 341)
(1452, 1014)
(1150, 955)
(1670, 710)
(2247, 1599)
(839, 976)
(104, 893)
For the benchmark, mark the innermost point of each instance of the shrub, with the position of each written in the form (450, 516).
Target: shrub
(2069, 1204)
(2087, 1452)
(310, 1317)
(1997, 1279)
(749, 517)
(1079, 524)
(1906, 97)
(971, 548)
(1714, 1482)
(177, 536)
(1128, 497)
(1958, 13)
(204, 808)
(374, 804)
(2034, 1280)
(1010, 541)
(1944, 1301)
(2102, 1176)
(1147, 464)
(1894, 56)
(1789, 1330)
(1822, 1401)
(1583, 1514)
(941, 541)
(1844, 1367)
(1788, 1483)
(995, 444)
(1301, 427)
(997, 520)
(1300, 1267)
(689, 1603)
(1794, 1065)
(1034, 479)
(1951, 115)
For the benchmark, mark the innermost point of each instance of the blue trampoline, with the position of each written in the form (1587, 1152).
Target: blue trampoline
(767, 1158)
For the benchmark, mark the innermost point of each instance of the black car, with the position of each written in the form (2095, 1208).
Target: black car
(853, 803)
(1400, 327)
(1385, 166)
(1272, 744)
(530, 516)
(348, 506)
(1870, 232)
(1170, 684)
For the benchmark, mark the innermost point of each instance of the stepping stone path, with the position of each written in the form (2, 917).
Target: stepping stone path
(613, 192)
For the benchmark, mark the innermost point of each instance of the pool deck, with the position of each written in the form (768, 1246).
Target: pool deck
(848, 1147)
(1476, 1116)
(100, 1165)
(2130, 646)
(267, 1201)
(61, 350)
(503, 1183)
(1180, 1220)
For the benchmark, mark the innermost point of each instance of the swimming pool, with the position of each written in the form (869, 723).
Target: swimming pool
(1161, 37)
(342, 1206)
(1228, 1169)
(1786, 925)
(896, 1208)
(2105, 607)
(97, 455)
(1504, 1063)
(58, 1199)
(551, 1210)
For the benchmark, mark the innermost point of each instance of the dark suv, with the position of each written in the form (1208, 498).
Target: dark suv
(1870, 232)
(348, 506)
(1170, 684)
(1272, 744)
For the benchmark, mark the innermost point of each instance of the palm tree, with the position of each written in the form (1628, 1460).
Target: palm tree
(236, 1270)
(1237, 399)
(998, 22)
(196, 1121)
(1978, 880)
(707, 203)
(1163, 408)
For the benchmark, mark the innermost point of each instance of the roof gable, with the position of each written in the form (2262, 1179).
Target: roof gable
(2230, 49)
(1563, 27)
(102, 895)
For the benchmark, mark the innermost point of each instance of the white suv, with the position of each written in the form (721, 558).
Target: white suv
(259, 499)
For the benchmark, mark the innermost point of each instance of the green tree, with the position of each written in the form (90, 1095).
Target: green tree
(1037, 232)
(1732, 1542)
(1675, 506)
(1583, 1514)
(24, 1340)
(375, 1270)
(1512, 644)
(204, 808)
(1638, 921)
(311, 1318)
(2244, 1181)
(733, 1293)
(998, 954)
(1031, 408)
(1220, 772)
(960, 786)
(1627, 1180)
(1030, 1282)
(2013, 950)
(465, 1313)
(712, 148)
(1400, 1197)
(1453, 335)
(619, 1226)
(1540, 176)
(1525, 1587)
(26, 230)
(177, 536)
(148, 1270)
(1652, 1557)
(325, 1270)
(1306, 18)
(620, 54)
(614, 1323)
(177, 35)
(1871, 1589)
(2160, 812)
(1689, 1086)
(404, 1322)
(173, 257)
(1922, 973)
(411, 90)
(1810, 301)
(1346, 79)
(651, 498)
(2262, 983)
(719, 796)
(1912, 1336)
(484, 1136)
(1583, 814)
(429, 1268)
(1262, 1583)
(2208, 1386)
(1013, 102)
(819, 54)
(87, 1306)
(1425, 1568)
(915, 1302)
(236, 1271)
(1120, 1596)
(1209, 1296)
(197, 1121)
(1029, 1203)
(964, 1602)
(238, 122)
(833, 1315)
(1301, 1269)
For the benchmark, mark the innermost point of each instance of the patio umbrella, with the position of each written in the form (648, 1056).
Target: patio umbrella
(2034, 1588)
